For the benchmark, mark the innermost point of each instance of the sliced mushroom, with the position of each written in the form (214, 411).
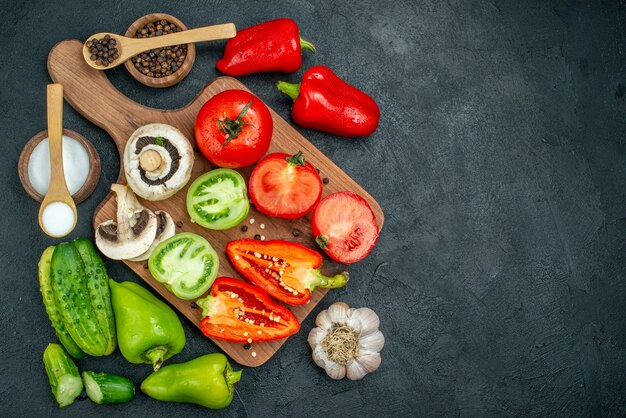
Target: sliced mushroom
(157, 161)
(165, 229)
(132, 232)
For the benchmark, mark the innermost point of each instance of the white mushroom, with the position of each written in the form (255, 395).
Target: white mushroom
(131, 233)
(157, 161)
(165, 229)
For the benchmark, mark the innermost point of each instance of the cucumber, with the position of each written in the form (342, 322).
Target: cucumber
(108, 388)
(71, 295)
(99, 292)
(63, 374)
(51, 309)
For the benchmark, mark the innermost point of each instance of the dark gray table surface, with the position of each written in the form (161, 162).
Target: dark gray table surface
(499, 163)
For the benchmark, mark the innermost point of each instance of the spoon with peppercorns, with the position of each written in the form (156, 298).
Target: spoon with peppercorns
(107, 50)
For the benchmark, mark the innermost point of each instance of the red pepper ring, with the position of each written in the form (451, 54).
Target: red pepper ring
(241, 312)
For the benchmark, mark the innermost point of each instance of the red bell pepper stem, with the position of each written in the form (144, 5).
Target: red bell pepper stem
(307, 45)
(291, 90)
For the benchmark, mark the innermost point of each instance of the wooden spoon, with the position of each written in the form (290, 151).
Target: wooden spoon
(58, 194)
(129, 47)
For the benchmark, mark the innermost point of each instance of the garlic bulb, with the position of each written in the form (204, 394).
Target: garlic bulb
(347, 341)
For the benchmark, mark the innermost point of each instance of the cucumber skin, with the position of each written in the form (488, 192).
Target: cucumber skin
(59, 365)
(54, 315)
(71, 295)
(99, 292)
(114, 388)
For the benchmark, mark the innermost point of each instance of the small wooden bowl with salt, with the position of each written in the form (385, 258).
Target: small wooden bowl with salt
(81, 164)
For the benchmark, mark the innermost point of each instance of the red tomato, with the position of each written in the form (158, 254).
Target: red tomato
(285, 186)
(345, 227)
(233, 129)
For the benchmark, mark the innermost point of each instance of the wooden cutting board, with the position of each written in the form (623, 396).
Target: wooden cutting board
(89, 92)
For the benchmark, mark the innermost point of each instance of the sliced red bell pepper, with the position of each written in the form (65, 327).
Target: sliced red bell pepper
(325, 102)
(275, 45)
(241, 312)
(288, 271)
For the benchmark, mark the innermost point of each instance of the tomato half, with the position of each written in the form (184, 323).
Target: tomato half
(218, 199)
(241, 312)
(345, 227)
(285, 186)
(233, 129)
(186, 264)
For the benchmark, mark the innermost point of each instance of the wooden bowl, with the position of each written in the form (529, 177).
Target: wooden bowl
(92, 177)
(175, 77)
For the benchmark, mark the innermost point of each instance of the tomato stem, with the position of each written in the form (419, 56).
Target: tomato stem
(322, 241)
(233, 127)
(296, 159)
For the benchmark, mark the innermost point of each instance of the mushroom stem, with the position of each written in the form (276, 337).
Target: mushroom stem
(150, 160)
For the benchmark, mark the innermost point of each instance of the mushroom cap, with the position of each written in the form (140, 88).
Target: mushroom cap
(131, 233)
(165, 229)
(176, 154)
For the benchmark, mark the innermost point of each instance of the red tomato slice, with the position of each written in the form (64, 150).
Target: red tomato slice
(285, 186)
(345, 227)
(233, 129)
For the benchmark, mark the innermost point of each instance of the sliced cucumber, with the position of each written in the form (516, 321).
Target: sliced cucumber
(65, 382)
(108, 388)
(186, 264)
(218, 199)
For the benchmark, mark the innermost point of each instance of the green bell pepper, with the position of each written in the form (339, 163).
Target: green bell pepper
(208, 380)
(148, 331)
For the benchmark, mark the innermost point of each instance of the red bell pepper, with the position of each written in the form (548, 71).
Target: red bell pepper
(287, 271)
(325, 102)
(271, 46)
(240, 312)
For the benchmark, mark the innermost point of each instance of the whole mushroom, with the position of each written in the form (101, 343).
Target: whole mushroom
(158, 160)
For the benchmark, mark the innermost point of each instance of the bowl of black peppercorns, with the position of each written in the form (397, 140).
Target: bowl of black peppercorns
(162, 67)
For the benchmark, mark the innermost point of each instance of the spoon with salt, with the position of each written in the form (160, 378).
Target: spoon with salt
(129, 47)
(57, 213)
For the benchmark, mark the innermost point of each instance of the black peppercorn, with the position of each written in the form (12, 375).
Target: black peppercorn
(102, 51)
(161, 61)
(257, 236)
(244, 228)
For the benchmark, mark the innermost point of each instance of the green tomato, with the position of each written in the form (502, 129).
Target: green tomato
(218, 199)
(186, 264)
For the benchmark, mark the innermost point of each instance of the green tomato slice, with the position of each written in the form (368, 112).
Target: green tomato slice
(186, 264)
(218, 199)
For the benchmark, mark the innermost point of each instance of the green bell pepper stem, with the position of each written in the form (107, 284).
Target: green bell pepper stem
(291, 90)
(232, 376)
(304, 44)
(156, 357)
